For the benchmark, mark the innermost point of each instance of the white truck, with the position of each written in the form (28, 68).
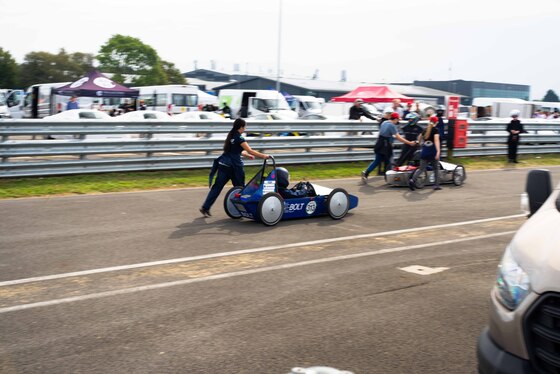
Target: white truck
(306, 105)
(249, 103)
(500, 107)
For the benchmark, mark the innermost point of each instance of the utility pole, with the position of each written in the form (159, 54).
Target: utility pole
(279, 46)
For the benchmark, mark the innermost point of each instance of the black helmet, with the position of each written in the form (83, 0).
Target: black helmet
(283, 177)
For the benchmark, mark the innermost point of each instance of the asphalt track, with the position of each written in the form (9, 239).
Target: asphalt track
(140, 283)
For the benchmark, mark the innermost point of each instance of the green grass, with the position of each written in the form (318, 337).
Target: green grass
(137, 181)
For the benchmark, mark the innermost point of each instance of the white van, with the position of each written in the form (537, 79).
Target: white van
(14, 101)
(249, 103)
(523, 335)
(305, 105)
(171, 98)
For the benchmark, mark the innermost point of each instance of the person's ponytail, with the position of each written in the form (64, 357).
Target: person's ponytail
(237, 124)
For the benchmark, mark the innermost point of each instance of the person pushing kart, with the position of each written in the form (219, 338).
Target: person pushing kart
(411, 131)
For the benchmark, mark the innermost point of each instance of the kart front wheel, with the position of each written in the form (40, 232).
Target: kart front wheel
(229, 207)
(271, 209)
(338, 203)
(459, 175)
(420, 178)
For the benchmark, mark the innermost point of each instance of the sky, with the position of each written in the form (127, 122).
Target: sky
(374, 41)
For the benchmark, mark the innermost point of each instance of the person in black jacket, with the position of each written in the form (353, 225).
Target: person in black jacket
(410, 131)
(357, 111)
(514, 129)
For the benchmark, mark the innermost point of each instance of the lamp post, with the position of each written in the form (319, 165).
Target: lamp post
(279, 46)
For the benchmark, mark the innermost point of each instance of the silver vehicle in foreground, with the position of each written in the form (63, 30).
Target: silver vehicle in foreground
(448, 173)
(523, 335)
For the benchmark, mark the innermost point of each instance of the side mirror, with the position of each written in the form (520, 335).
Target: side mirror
(538, 189)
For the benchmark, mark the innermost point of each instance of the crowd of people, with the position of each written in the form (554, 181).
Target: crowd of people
(545, 114)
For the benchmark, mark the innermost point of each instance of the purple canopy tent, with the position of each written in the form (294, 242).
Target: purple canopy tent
(95, 84)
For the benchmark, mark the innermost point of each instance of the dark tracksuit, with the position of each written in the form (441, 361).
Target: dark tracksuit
(230, 167)
(357, 111)
(513, 139)
(410, 133)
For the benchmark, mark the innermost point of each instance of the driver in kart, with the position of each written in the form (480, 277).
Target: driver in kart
(301, 189)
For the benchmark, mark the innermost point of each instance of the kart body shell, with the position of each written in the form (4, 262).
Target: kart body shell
(261, 201)
(448, 173)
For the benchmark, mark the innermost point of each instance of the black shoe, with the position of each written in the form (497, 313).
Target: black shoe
(515, 162)
(437, 188)
(205, 212)
(411, 185)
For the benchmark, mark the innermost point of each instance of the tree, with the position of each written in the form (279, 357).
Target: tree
(45, 67)
(551, 97)
(8, 70)
(127, 55)
(173, 74)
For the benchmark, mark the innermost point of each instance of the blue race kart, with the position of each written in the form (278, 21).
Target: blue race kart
(262, 201)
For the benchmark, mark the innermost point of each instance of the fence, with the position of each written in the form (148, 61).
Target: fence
(95, 146)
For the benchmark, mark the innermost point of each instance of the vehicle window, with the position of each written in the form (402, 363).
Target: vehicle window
(204, 116)
(2, 99)
(89, 115)
(313, 105)
(111, 101)
(150, 116)
(184, 100)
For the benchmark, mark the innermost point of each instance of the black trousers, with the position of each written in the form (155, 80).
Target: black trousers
(512, 149)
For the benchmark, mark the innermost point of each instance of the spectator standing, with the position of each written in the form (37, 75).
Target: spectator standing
(384, 146)
(72, 103)
(514, 128)
(397, 107)
(226, 110)
(141, 105)
(407, 110)
(357, 111)
(430, 153)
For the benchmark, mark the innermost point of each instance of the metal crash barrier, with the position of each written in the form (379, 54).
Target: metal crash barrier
(90, 146)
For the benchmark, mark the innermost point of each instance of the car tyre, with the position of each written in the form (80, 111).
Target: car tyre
(229, 207)
(538, 188)
(420, 178)
(338, 203)
(459, 175)
(271, 209)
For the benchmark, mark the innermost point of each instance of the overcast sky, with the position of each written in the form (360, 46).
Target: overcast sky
(509, 41)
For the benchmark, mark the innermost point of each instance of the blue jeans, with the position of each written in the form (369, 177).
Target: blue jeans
(379, 158)
(225, 174)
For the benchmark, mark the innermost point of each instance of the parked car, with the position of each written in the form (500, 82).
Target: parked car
(523, 335)
(75, 115)
(200, 116)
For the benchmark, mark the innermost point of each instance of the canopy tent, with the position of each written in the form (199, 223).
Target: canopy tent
(373, 94)
(95, 84)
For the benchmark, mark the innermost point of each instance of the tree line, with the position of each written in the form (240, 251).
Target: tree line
(123, 56)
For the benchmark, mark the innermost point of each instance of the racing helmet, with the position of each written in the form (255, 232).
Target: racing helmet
(411, 116)
(515, 113)
(283, 177)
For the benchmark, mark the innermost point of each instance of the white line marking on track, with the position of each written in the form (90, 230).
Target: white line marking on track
(245, 251)
(241, 273)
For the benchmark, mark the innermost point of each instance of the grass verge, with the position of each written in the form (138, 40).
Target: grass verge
(138, 181)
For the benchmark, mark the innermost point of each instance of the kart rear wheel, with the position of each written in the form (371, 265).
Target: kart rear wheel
(420, 178)
(338, 203)
(229, 207)
(271, 209)
(459, 175)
